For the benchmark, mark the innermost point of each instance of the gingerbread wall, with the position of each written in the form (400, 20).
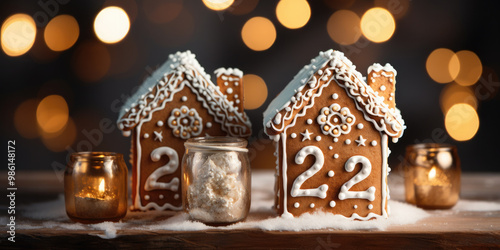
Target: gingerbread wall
(335, 153)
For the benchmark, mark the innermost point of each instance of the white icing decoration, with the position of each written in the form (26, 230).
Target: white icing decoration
(370, 206)
(347, 141)
(318, 138)
(161, 196)
(228, 72)
(293, 135)
(307, 135)
(343, 73)
(146, 197)
(185, 122)
(374, 143)
(296, 205)
(330, 147)
(320, 191)
(382, 88)
(209, 124)
(277, 119)
(180, 71)
(167, 169)
(146, 135)
(176, 196)
(335, 96)
(158, 136)
(237, 101)
(355, 206)
(328, 120)
(377, 68)
(332, 204)
(229, 91)
(331, 173)
(184, 98)
(226, 83)
(309, 121)
(360, 126)
(159, 123)
(361, 141)
(336, 156)
(366, 168)
(335, 139)
(311, 205)
(236, 96)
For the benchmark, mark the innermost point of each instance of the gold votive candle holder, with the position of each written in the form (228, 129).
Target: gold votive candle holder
(432, 175)
(95, 187)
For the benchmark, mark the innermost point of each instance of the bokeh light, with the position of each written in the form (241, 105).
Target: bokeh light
(378, 25)
(258, 33)
(470, 68)
(255, 91)
(129, 6)
(462, 122)
(18, 34)
(160, 11)
(25, 119)
(453, 93)
(243, 7)
(52, 114)
(91, 61)
(61, 140)
(442, 65)
(293, 14)
(61, 32)
(112, 24)
(397, 8)
(218, 5)
(343, 27)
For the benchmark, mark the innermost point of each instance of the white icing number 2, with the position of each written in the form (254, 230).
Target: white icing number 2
(318, 164)
(169, 168)
(366, 168)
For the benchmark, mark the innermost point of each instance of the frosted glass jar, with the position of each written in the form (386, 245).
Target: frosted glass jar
(216, 180)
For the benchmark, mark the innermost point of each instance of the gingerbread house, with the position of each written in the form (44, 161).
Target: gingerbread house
(177, 102)
(331, 131)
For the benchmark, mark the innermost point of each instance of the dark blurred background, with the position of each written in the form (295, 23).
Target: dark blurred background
(63, 93)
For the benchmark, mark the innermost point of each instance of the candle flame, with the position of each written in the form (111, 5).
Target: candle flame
(432, 173)
(101, 186)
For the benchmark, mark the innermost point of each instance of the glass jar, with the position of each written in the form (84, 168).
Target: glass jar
(95, 187)
(216, 180)
(432, 175)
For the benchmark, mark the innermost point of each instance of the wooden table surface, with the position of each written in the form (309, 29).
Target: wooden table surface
(444, 229)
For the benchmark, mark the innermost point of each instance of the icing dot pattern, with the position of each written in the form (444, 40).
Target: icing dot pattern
(335, 120)
(185, 122)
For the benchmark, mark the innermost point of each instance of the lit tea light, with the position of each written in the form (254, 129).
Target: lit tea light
(96, 187)
(432, 176)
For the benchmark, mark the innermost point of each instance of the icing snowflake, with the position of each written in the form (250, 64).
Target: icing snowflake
(185, 122)
(335, 120)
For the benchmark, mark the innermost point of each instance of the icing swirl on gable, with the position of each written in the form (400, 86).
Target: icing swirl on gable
(182, 70)
(328, 66)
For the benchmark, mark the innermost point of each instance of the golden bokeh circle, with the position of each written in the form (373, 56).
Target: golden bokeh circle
(61, 32)
(255, 91)
(258, 33)
(293, 14)
(461, 122)
(378, 25)
(17, 34)
(343, 27)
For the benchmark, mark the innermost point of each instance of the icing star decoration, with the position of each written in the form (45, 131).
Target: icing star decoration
(307, 135)
(158, 135)
(361, 141)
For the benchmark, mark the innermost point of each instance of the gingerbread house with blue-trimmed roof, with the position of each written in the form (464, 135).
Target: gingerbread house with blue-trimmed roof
(177, 102)
(331, 130)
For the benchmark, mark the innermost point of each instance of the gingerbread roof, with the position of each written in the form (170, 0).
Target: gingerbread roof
(183, 70)
(299, 95)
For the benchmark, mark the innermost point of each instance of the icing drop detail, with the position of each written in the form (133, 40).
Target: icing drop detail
(335, 120)
(311, 205)
(332, 203)
(296, 205)
(374, 143)
(318, 164)
(331, 173)
(366, 168)
(185, 122)
(169, 168)
(293, 135)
